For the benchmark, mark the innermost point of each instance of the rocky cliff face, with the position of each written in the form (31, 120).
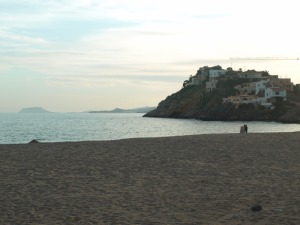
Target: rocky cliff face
(195, 102)
(183, 104)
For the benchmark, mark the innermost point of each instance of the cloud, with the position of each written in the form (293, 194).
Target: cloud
(107, 48)
(96, 81)
(4, 68)
(18, 39)
(137, 37)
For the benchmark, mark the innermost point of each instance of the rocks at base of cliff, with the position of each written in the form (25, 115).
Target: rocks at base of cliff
(291, 116)
(34, 142)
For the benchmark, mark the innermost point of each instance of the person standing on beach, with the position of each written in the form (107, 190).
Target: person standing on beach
(242, 129)
(246, 128)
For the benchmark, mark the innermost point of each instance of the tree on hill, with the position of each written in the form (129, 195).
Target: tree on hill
(265, 73)
(185, 83)
(218, 67)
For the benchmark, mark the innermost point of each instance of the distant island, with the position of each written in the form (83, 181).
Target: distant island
(135, 110)
(34, 110)
(217, 94)
(116, 110)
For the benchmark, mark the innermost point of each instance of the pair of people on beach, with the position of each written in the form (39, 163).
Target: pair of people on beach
(244, 129)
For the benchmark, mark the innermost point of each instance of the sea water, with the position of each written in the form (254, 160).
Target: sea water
(59, 127)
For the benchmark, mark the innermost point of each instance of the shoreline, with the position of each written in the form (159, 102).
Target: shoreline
(38, 141)
(192, 179)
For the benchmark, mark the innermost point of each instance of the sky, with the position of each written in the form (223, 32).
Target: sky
(80, 55)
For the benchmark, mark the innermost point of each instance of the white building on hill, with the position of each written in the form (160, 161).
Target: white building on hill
(212, 73)
(274, 92)
(260, 86)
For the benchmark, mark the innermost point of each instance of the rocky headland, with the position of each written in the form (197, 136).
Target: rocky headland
(196, 101)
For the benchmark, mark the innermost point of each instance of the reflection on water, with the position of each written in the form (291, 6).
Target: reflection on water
(56, 127)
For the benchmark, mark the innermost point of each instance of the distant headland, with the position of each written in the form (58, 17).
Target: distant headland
(135, 110)
(217, 94)
(145, 109)
(33, 110)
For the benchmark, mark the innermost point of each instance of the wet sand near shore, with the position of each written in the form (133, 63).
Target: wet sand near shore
(199, 179)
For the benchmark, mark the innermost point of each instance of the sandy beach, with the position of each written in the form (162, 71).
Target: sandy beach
(200, 179)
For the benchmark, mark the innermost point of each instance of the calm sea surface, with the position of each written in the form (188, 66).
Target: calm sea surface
(58, 127)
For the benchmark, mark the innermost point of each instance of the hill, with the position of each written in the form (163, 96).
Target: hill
(34, 110)
(194, 101)
(118, 110)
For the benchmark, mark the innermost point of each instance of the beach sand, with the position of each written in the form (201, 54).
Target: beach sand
(200, 179)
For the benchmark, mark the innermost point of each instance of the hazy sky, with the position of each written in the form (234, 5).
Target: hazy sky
(77, 55)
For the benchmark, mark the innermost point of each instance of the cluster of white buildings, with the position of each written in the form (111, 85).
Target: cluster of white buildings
(263, 92)
(261, 89)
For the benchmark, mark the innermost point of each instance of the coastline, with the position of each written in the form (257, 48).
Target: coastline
(195, 179)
